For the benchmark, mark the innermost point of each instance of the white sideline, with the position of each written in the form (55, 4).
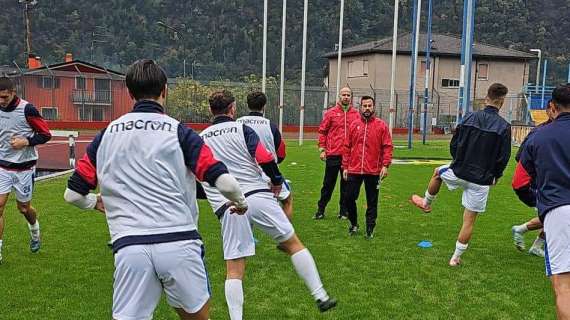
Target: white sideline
(54, 175)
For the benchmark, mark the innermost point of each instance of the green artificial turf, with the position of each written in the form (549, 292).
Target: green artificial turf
(388, 277)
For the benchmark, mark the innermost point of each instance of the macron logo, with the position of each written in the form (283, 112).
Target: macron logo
(141, 125)
(219, 132)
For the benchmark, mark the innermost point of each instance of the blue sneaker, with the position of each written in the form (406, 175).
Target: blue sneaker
(35, 245)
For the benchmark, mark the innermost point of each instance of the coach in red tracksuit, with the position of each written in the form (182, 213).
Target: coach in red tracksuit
(366, 158)
(332, 133)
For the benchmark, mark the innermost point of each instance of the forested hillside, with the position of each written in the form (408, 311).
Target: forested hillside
(223, 38)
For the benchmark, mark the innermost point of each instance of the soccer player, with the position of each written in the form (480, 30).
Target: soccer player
(480, 148)
(270, 136)
(545, 163)
(21, 129)
(366, 158)
(239, 147)
(146, 165)
(332, 133)
(518, 231)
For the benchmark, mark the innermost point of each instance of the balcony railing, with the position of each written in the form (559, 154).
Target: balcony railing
(91, 97)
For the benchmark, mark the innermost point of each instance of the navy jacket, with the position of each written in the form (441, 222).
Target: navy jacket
(545, 161)
(481, 147)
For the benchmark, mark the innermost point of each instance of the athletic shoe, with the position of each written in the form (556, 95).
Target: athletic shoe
(419, 202)
(537, 251)
(326, 305)
(35, 245)
(319, 216)
(454, 262)
(518, 239)
(342, 216)
(352, 230)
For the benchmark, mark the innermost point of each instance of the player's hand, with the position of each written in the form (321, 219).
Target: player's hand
(383, 173)
(99, 206)
(276, 189)
(238, 207)
(18, 142)
(345, 175)
(323, 155)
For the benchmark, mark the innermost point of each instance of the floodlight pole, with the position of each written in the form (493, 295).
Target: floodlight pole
(427, 72)
(303, 67)
(264, 68)
(393, 75)
(282, 77)
(339, 56)
(413, 68)
(466, 59)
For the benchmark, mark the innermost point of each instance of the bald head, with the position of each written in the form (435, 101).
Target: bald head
(345, 96)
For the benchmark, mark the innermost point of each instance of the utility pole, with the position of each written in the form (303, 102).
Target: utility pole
(413, 68)
(393, 74)
(469, 7)
(427, 72)
(28, 5)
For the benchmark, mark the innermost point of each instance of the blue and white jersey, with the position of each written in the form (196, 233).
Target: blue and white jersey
(146, 164)
(268, 133)
(240, 149)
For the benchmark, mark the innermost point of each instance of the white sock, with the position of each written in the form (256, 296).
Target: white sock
(459, 249)
(521, 228)
(234, 298)
(428, 198)
(1, 245)
(35, 230)
(307, 269)
(538, 242)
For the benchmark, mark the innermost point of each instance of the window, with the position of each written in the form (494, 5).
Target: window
(449, 83)
(91, 113)
(49, 113)
(483, 71)
(49, 82)
(80, 83)
(358, 68)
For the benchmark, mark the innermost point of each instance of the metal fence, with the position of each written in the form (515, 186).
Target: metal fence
(70, 96)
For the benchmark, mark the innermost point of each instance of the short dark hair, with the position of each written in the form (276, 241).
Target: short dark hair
(561, 96)
(145, 79)
(220, 101)
(497, 91)
(256, 100)
(7, 84)
(367, 98)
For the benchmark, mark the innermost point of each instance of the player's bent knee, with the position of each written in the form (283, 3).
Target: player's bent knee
(24, 208)
(235, 268)
(292, 245)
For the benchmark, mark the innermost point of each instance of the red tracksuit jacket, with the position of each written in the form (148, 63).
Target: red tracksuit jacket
(332, 130)
(367, 147)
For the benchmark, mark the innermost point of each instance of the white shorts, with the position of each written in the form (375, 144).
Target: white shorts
(263, 212)
(474, 196)
(143, 272)
(237, 236)
(21, 181)
(557, 249)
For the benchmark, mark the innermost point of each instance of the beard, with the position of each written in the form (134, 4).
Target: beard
(367, 114)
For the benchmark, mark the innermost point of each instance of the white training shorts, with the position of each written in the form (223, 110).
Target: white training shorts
(474, 196)
(265, 213)
(557, 249)
(21, 181)
(143, 272)
(237, 236)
